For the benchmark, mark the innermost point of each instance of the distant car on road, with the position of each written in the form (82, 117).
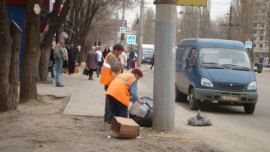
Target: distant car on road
(217, 71)
(147, 53)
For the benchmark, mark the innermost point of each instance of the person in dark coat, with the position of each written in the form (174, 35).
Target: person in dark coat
(130, 59)
(51, 62)
(92, 62)
(105, 52)
(152, 61)
(72, 56)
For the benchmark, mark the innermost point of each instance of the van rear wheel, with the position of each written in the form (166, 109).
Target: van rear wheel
(179, 96)
(249, 108)
(193, 103)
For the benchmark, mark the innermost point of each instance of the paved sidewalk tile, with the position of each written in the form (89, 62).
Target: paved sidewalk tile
(88, 98)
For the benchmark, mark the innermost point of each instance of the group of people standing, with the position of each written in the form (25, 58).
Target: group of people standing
(94, 61)
(63, 56)
(121, 88)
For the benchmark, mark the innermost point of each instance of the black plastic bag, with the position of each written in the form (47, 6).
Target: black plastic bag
(86, 72)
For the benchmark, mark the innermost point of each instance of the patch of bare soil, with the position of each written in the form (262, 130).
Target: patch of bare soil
(40, 126)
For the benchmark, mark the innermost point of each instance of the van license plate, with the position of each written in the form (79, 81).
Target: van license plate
(230, 98)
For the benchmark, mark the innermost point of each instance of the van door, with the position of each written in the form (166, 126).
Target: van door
(182, 81)
(191, 68)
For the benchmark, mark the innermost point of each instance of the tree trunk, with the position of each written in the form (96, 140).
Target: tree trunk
(28, 88)
(16, 33)
(9, 50)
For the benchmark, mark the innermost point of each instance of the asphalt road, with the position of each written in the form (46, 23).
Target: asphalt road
(233, 129)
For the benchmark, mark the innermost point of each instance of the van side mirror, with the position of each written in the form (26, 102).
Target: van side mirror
(189, 63)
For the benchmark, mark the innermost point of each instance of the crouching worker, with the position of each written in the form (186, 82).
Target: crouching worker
(123, 89)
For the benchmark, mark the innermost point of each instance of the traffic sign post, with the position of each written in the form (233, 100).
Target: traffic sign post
(248, 44)
(131, 39)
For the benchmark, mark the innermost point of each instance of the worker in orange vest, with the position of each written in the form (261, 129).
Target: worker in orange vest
(123, 89)
(110, 69)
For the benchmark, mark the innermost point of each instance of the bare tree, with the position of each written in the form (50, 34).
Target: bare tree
(9, 56)
(55, 23)
(83, 19)
(149, 27)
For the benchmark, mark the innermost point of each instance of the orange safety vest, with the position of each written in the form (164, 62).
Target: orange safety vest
(119, 88)
(107, 74)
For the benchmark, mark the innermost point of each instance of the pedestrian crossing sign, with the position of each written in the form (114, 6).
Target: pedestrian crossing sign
(248, 44)
(131, 39)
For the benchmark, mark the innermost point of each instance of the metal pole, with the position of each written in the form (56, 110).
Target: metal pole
(199, 20)
(139, 55)
(123, 19)
(164, 73)
(117, 28)
(230, 24)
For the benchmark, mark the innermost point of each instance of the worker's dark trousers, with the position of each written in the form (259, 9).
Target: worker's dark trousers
(118, 109)
(108, 112)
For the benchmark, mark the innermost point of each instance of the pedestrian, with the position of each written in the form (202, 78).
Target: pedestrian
(130, 58)
(110, 69)
(134, 62)
(105, 52)
(100, 60)
(123, 60)
(152, 61)
(91, 61)
(122, 90)
(59, 57)
(72, 56)
(52, 62)
(65, 62)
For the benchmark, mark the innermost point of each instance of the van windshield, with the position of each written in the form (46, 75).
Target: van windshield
(148, 51)
(224, 58)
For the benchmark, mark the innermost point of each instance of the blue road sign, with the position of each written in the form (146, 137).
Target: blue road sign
(122, 29)
(131, 39)
(248, 44)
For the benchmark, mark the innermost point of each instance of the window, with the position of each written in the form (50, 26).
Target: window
(254, 25)
(193, 55)
(261, 45)
(261, 38)
(179, 55)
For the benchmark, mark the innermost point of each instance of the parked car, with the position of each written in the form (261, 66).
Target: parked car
(214, 70)
(147, 53)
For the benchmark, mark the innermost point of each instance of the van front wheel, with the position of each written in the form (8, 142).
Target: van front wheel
(193, 103)
(249, 108)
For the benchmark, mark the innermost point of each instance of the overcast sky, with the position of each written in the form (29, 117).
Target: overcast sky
(218, 8)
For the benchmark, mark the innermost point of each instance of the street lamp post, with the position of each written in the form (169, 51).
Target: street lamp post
(139, 55)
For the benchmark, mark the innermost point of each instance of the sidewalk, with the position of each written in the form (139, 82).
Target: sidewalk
(87, 98)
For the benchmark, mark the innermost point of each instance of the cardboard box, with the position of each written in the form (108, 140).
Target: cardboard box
(124, 128)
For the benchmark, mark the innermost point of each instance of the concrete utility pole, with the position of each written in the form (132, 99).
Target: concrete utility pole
(139, 55)
(164, 74)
